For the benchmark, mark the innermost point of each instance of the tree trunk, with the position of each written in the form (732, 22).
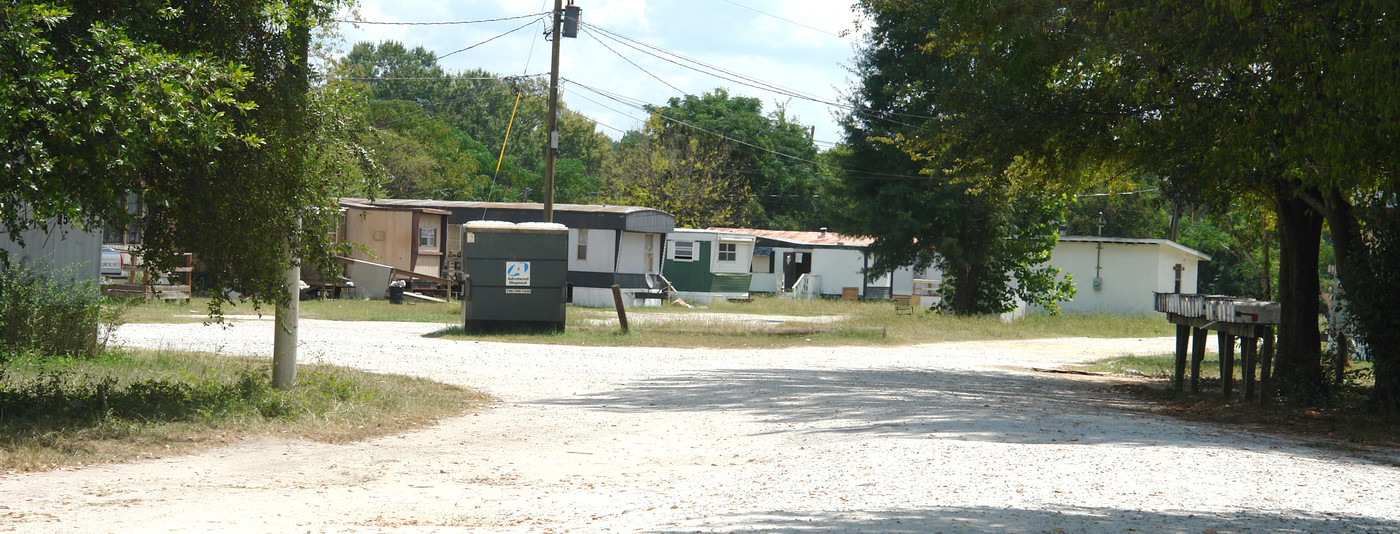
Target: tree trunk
(1342, 221)
(1298, 368)
(965, 295)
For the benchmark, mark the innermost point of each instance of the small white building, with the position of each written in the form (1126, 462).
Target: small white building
(1119, 275)
(704, 265)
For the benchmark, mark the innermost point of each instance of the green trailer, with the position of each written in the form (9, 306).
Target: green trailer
(704, 265)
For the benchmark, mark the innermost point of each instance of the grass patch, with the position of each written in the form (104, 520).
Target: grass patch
(197, 311)
(723, 325)
(719, 325)
(1343, 423)
(122, 405)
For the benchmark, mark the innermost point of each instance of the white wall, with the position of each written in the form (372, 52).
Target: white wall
(600, 251)
(743, 256)
(632, 255)
(1190, 273)
(65, 246)
(838, 268)
(1130, 273)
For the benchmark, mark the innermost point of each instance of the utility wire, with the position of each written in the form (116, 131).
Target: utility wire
(1087, 195)
(732, 76)
(639, 67)
(526, 25)
(439, 23)
(433, 78)
(624, 100)
(790, 21)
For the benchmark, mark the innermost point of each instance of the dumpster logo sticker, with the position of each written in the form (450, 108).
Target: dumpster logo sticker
(517, 273)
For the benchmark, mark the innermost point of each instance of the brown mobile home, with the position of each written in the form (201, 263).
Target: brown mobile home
(405, 238)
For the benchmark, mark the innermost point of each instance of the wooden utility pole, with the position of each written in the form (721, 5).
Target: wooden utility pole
(553, 121)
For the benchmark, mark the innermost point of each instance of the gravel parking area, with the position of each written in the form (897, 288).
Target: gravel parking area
(956, 437)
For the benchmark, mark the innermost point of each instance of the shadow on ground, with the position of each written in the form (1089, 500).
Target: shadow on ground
(1080, 520)
(973, 405)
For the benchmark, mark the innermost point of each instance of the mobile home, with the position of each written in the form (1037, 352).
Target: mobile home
(608, 245)
(704, 265)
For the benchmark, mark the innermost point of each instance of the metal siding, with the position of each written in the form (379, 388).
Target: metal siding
(691, 275)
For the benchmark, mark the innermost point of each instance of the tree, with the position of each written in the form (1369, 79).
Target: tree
(988, 237)
(1270, 102)
(201, 110)
(471, 110)
(684, 177)
(772, 154)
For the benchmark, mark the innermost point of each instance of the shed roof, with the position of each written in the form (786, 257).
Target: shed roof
(628, 218)
(820, 239)
(1133, 241)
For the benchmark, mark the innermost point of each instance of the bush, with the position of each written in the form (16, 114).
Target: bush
(52, 314)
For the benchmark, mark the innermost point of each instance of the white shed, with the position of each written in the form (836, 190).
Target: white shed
(1119, 275)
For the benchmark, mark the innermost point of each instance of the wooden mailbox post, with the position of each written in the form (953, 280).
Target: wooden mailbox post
(1248, 320)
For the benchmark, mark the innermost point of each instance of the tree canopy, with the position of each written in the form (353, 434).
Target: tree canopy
(988, 235)
(1279, 105)
(440, 134)
(201, 113)
(772, 157)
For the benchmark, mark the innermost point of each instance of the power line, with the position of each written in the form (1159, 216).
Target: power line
(733, 76)
(439, 23)
(789, 21)
(521, 27)
(1116, 194)
(623, 100)
(432, 78)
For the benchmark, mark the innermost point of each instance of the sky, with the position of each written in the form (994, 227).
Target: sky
(796, 45)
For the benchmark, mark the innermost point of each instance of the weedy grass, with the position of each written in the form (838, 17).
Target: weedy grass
(130, 404)
(719, 325)
(769, 322)
(197, 310)
(1342, 422)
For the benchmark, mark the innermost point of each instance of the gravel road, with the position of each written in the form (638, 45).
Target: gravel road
(955, 437)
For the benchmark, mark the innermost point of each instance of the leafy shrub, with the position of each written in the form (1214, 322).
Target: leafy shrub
(52, 314)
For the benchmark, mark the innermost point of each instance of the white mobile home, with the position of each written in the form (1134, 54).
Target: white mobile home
(64, 248)
(1119, 275)
(819, 264)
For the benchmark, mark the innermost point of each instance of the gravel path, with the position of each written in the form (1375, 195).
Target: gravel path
(955, 437)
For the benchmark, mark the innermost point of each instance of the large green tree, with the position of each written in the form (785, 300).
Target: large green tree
(773, 154)
(684, 177)
(200, 111)
(423, 115)
(1279, 104)
(989, 236)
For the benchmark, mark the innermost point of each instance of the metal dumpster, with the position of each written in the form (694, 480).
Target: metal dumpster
(515, 276)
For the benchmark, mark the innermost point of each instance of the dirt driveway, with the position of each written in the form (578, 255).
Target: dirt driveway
(955, 437)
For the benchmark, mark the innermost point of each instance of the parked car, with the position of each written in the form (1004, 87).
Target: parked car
(113, 261)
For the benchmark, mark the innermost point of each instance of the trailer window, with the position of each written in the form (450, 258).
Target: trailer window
(685, 251)
(427, 237)
(728, 252)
